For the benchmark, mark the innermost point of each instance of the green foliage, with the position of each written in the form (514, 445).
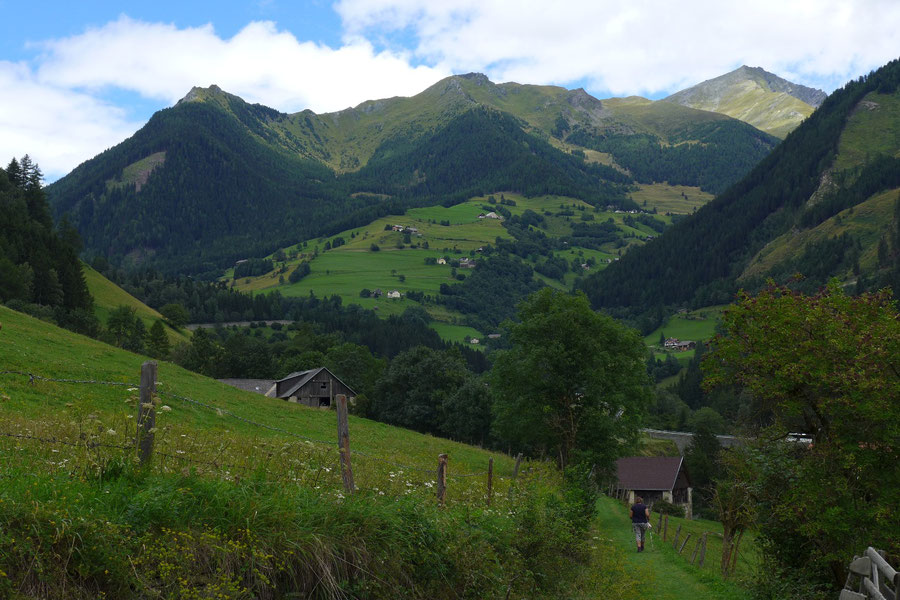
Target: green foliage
(824, 366)
(726, 150)
(302, 270)
(158, 341)
(768, 202)
(38, 264)
(176, 314)
(573, 385)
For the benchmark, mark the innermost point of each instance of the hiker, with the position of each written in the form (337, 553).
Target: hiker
(640, 521)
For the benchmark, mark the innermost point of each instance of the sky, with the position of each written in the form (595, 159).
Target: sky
(77, 78)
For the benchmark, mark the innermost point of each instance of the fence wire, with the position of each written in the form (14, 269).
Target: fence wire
(223, 411)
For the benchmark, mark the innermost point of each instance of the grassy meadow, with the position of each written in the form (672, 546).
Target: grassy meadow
(243, 497)
(108, 296)
(665, 198)
(349, 268)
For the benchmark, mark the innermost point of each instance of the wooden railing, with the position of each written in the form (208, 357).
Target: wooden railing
(877, 579)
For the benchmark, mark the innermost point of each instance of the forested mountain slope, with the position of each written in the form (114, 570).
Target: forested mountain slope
(844, 154)
(215, 179)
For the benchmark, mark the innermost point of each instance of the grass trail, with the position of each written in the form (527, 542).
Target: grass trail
(663, 575)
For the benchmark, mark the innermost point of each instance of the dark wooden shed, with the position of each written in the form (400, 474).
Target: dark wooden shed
(315, 387)
(654, 478)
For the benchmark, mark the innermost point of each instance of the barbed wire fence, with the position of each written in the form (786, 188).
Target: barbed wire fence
(145, 433)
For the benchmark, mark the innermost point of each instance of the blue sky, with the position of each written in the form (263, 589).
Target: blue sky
(77, 78)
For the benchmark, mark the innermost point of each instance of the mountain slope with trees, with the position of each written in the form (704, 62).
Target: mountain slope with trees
(214, 179)
(803, 183)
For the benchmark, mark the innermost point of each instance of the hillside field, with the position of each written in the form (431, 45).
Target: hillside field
(349, 268)
(108, 296)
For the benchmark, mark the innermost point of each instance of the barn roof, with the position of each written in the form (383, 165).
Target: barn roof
(649, 473)
(305, 377)
(260, 386)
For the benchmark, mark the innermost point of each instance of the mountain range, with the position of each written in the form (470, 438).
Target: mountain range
(825, 203)
(214, 179)
(754, 96)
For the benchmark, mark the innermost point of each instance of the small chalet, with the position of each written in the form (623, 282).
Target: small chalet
(377, 293)
(493, 215)
(393, 294)
(466, 263)
(680, 346)
(654, 478)
(316, 388)
(442, 261)
(475, 340)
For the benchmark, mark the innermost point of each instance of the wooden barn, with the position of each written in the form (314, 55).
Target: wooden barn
(316, 388)
(654, 478)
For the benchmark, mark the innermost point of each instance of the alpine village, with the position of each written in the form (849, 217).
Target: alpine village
(440, 346)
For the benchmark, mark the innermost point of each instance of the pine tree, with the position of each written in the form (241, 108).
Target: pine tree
(158, 341)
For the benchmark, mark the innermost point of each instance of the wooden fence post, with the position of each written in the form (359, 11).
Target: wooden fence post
(677, 533)
(343, 430)
(146, 418)
(659, 525)
(442, 479)
(703, 549)
(696, 549)
(490, 489)
(684, 543)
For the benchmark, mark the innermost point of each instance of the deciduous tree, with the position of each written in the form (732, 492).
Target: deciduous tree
(574, 384)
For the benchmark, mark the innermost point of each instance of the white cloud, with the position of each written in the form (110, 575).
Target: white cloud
(648, 47)
(57, 127)
(53, 109)
(260, 64)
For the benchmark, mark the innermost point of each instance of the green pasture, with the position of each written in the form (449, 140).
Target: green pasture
(349, 268)
(874, 128)
(34, 346)
(668, 198)
(108, 296)
(695, 326)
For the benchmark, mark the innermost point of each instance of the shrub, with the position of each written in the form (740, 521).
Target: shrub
(667, 508)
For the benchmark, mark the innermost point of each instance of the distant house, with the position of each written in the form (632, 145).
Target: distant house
(315, 387)
(678, 345)
(393, 294)
(481, 216)
(493, 215)
(585, 266)
(377, 293)
(442, 261)
(655, 478)
(466, 263)
(397, 227)
(475, 341)
(493, 336)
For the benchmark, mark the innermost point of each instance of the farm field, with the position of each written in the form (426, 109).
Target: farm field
(696, 325)
(665, 198)
(353, 265)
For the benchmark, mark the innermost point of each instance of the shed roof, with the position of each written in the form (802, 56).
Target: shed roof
(305, 377)
(260, 386)
(649, 473)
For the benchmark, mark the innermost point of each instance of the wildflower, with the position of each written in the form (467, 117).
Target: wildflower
(165, 408)
(111, 431)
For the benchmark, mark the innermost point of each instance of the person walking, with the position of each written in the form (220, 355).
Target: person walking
(640, 521)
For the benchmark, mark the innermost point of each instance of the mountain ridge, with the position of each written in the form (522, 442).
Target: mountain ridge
(755, 96)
